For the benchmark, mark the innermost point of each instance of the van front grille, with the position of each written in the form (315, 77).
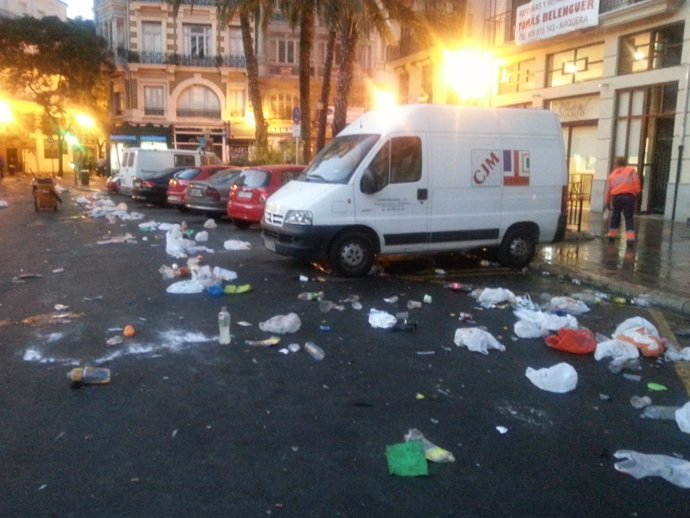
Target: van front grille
(273, 218)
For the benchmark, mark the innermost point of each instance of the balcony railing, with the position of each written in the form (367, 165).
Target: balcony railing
(163, 58)
(194, 113)
(148, 110)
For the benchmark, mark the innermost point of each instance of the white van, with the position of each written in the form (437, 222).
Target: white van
(140, 162)
(426, 179)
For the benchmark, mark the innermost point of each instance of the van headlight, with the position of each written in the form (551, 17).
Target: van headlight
(299, 217)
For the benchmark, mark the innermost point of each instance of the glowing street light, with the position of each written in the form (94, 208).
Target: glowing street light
(85, 121)
(6, 116)
(469, 73)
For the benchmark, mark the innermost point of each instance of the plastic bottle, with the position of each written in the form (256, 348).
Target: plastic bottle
(224, 326)
(314, 351)
(311, 295)
(659, 412)
(89, 376)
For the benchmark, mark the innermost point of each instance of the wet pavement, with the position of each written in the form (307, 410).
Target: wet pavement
(656, 268)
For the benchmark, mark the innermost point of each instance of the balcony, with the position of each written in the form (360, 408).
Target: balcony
(500, 29)
(125, 56)
(193, 113)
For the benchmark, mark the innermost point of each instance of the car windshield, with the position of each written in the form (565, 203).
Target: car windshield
(253, 179)
(337, 161)
(187, 174)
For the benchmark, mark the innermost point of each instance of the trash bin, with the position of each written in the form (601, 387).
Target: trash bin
(85, 177)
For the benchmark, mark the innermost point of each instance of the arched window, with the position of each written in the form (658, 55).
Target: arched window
(198, 102)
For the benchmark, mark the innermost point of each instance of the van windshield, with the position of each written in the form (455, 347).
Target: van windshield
(339, 159)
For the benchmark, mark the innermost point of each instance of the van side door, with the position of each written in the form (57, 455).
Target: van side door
(392, 195)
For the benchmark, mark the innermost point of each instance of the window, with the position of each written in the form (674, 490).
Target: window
(286, 51)
(516, 77)
(235, 45)
(651, 50)
(366, 58)
(282, 104)
(154, 103)
(575, 65)
(398, 161)
(197, 40)
(236, 102)
(198, 101)
(152, 37)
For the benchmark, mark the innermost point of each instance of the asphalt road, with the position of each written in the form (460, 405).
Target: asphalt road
(188, 427)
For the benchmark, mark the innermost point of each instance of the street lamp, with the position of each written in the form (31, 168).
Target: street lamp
(469, 73)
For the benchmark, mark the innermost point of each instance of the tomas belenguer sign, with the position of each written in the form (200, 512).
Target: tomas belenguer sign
(542, 19)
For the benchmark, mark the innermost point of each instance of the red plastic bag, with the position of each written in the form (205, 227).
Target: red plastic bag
(577, 341)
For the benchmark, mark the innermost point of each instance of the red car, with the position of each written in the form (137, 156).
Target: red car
(253, 186)
(177, 186)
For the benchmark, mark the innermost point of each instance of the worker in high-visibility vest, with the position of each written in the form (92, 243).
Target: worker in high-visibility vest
(622, 189)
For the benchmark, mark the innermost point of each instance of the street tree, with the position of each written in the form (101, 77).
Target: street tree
(59, 65)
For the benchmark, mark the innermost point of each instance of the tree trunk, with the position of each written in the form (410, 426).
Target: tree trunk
(306, 38)
(260, 132)
(349, 43)
(325, 90)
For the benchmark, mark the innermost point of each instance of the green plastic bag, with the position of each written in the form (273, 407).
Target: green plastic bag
(407, 459)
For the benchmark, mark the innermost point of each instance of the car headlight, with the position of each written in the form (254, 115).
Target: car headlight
(299, 217)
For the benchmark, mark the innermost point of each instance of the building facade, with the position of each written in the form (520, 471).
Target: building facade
(181, 80)
(615, 70)
(34, 8)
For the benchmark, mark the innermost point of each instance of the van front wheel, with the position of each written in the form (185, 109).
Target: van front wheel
(517, 248)
(351, 255)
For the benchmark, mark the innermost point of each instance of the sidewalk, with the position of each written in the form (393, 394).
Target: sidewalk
(657, 267)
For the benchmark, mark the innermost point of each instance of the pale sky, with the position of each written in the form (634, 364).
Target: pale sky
(83, 8)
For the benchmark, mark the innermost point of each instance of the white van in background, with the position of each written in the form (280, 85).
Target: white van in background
(426, 179)
(140, 162)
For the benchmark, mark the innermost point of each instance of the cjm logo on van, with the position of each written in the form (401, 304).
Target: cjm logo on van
(493, 167)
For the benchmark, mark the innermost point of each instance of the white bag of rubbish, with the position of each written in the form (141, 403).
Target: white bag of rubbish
(281, 324)
(175, 243)
(381, 320)
(210, 224)
(569, 305)
(559, 378)
(477, 340)
(674, 355)
(617, 350)
(223, 274)
(535, 324)
(490, 297)
(639, 465)
(201, 237)
(634, 323)
(683, 418)
(186, 287)
(234, 244)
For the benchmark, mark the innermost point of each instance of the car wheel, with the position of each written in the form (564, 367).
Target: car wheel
(351, 254)
(182, 208)
(518, 247)
(241, 224)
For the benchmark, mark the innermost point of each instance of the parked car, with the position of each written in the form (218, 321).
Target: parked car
(251, 189)
(211, 196)
(153, 187)
(177, 186)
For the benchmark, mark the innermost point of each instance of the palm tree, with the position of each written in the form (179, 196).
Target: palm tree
(303, 14)
(325, 89)
(248, 11)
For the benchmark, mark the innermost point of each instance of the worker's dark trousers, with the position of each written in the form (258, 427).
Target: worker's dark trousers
(624, 203)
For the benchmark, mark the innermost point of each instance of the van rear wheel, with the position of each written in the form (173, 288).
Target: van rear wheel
(351, 255)
(517, 248)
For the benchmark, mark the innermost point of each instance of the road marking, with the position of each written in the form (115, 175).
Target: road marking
(682, 368)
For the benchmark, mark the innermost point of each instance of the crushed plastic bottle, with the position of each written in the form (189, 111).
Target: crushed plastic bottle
(314, 351)
(659, 412)
(640, 401)
(81, 376)
(224, 326)
(311, 295)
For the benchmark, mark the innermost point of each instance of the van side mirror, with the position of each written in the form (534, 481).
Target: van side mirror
(368, 183)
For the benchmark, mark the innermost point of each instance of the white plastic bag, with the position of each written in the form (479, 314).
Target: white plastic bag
(639, 465)
(569, 305)
(186, 287)
(683, 418)
(674, 355)
(559, 378)
(222, 274)
(281, 324)
(540, 320)
(234, 244)
(477, 340)
(634, 323)
(201, 237)
(617, 350)
(210, 223)
(380, 319)
(489, 297)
